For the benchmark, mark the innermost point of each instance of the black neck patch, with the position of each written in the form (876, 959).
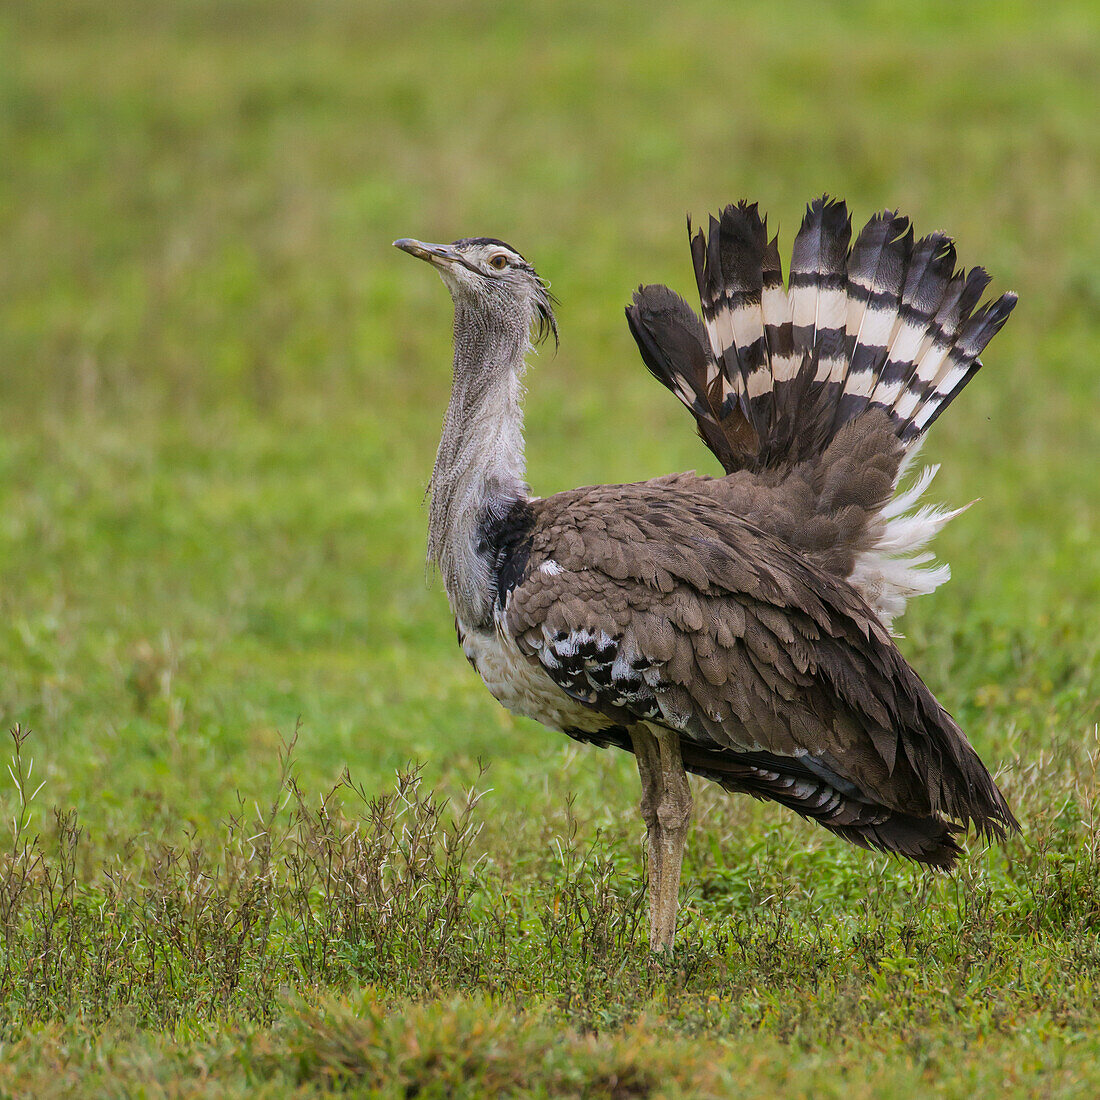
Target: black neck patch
(506, 541)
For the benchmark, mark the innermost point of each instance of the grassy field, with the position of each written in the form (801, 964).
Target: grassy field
(220, 392)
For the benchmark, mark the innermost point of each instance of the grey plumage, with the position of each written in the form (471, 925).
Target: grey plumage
(738, 627)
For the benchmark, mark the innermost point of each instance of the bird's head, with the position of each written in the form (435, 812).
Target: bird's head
(491, 281)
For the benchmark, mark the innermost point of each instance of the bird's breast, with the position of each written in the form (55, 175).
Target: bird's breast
(520, 684)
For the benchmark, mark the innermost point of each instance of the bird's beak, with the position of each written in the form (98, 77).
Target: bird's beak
(433, 253)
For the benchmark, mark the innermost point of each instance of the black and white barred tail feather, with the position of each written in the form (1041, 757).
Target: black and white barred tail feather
(818, 289)
(887, 323)
(772, 375)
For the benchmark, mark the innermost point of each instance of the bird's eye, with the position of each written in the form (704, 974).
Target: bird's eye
(499, 261)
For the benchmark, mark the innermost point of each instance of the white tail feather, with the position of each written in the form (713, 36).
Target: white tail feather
(895, 566)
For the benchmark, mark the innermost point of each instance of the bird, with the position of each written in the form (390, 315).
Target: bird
(738, 628)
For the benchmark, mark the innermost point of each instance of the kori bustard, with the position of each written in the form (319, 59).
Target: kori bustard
(736, 627)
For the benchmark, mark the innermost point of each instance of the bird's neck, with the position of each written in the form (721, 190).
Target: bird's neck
(479, 468)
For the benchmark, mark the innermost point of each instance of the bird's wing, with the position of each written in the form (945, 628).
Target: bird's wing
(648, 603)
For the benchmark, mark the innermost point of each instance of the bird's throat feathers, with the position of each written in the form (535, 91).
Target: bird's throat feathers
(479, 471)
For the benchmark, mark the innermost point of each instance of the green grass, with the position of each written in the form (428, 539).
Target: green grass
(220, 390)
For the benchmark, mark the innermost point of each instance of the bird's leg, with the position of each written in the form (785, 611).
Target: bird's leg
(666, 809)
(674, 809)
(648, 756)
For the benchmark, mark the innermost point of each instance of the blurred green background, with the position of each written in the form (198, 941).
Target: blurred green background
(220, 387)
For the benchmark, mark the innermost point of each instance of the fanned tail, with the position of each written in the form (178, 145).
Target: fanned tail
(772, 377)
(888, 324)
